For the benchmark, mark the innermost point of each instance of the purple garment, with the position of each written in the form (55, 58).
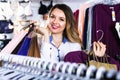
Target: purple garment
(76, 56)
(82, 57)
(102, 20)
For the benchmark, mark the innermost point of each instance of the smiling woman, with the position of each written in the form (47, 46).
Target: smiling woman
(60, 35)
(56, 47)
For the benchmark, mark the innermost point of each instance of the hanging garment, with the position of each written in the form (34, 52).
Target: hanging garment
(117, 27)
(81, 18)
(2, 17)
(76, 15)
(43, 9)
(24, 11)
(50, 5)
(87, 30)
(5, 10)
(28, 10)
(102, 20)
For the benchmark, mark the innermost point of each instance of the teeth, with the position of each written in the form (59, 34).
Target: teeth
(54, 26)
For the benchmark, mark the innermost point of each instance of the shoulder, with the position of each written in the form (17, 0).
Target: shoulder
(72, 45)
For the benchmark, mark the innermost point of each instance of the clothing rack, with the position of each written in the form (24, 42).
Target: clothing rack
(111, 2)
(30, 68)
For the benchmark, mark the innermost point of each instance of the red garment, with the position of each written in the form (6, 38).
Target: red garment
(76, 15)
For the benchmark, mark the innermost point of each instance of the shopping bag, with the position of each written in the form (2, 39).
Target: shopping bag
(34, 50)
(14, 42)
(99, 63)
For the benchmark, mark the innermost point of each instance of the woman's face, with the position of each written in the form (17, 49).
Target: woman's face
(57, 21)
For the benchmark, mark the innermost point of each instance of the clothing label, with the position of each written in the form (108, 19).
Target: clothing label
(113, 14)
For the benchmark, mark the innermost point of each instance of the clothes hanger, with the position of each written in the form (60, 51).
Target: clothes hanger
(101, 34)
(110, 2)
(93, 1)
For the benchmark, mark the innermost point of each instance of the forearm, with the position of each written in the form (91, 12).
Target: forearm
(46, 38)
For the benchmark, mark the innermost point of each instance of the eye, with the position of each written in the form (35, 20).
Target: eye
(52, 16)
(62, 19)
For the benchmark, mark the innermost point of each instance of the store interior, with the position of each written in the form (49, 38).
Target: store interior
(94, 17)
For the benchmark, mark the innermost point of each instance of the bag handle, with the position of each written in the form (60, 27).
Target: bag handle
(104, 59)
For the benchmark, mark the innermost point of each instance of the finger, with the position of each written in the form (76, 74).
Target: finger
(103, 48)
(97, 50)
(98, 46)
(94, 47)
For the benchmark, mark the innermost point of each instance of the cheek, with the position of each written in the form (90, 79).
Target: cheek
(63, 25)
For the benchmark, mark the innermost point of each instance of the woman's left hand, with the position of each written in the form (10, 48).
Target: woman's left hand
(99, 49)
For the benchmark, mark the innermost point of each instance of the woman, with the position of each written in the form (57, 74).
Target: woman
(61, 35)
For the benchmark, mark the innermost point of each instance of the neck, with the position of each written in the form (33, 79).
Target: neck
(57, 39)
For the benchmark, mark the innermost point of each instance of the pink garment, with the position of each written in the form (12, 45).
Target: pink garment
(81, 19)
(14, 42)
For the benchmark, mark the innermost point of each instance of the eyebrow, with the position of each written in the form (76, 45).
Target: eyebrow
(60, 17)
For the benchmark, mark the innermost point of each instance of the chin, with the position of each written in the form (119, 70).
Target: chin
(55, 32)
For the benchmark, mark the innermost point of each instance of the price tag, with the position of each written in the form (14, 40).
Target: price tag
(113, 14)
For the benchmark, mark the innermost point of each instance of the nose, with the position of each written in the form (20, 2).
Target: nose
(55, 21)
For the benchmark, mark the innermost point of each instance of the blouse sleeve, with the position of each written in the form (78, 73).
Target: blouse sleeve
(75, 46)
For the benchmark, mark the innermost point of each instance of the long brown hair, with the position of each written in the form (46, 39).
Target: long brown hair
(70, 32)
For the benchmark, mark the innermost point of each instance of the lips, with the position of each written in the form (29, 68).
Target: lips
(54, 27)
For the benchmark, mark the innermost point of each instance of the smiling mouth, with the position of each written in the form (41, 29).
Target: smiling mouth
(54, 27)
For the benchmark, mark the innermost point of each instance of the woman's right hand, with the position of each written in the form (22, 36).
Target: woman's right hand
(44, 31)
